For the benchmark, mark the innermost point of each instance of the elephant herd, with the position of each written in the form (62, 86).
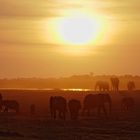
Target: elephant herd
(100, 102)
(59, 106)
(104, 85)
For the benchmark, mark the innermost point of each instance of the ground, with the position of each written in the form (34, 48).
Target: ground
(120, 126)
(24, 128)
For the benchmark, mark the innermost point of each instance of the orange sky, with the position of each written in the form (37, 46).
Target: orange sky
(28, 49)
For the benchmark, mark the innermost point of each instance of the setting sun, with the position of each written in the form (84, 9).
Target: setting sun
(79, 30)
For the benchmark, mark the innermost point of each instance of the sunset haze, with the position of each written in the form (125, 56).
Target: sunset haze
(35, 39)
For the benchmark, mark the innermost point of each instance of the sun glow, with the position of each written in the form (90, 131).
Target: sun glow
(77, 32)
(80, 29)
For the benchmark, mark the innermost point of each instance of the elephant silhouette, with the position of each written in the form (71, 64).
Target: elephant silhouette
(102, 86)
(58, 105)
(97, 101)
(130, 85)
(74, 108)
(114, 83)
(127, 104)
(10, 105)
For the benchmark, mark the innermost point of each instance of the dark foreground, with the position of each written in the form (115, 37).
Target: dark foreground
(120, 126)
(23, 128)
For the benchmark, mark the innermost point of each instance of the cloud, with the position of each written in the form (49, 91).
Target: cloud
(124, 10)
(49, 8)
(26, 8)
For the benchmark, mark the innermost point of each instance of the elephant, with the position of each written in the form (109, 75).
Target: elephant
(130, 85)
(102, 85)
(58, 104)
(74, 108)
(10, 104)
(115, 83)
(97, 101)
(127, 104)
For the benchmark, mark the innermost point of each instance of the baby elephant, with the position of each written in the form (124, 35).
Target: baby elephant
(127, 104)
(74, 108)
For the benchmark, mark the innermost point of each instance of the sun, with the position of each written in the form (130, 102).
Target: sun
(79, 30)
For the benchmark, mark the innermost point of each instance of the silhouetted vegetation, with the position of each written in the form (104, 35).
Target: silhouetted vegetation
(87, 81)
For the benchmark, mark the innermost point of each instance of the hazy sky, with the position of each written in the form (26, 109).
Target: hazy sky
(27, 48)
